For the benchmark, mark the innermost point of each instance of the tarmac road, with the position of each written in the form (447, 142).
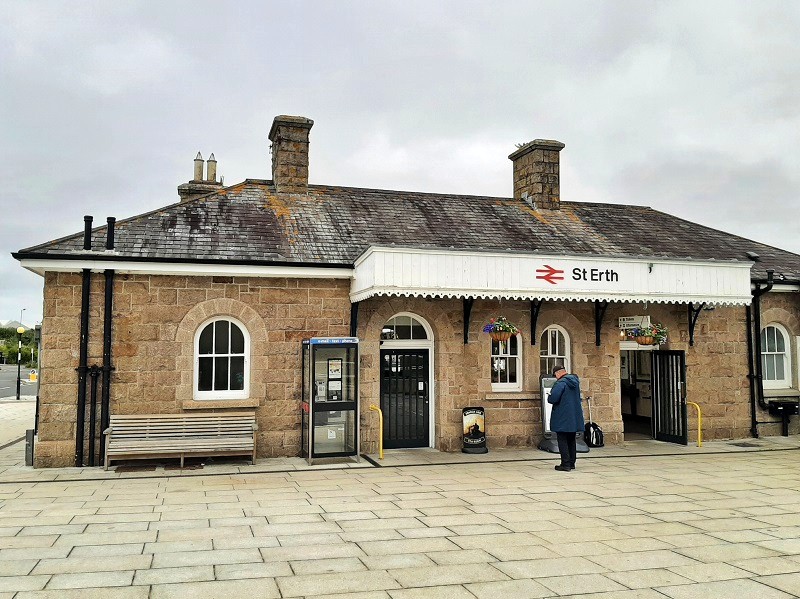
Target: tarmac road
(8, 382)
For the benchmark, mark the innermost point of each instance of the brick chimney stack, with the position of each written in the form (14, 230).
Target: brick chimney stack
(536, 173)
(289, 137)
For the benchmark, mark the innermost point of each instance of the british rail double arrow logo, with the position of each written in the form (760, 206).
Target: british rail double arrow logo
(550, 274)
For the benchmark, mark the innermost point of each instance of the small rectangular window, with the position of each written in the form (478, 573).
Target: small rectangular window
(221, 337)
(237, 373)
(221, 374)
(206, 374)
(505, 365)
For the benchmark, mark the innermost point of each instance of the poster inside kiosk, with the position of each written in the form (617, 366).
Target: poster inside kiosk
(330, 390)
(550, 442)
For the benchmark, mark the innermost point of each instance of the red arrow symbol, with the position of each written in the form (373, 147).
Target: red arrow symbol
(550, 274)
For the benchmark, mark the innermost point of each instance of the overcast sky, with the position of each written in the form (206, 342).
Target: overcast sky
(692, 108)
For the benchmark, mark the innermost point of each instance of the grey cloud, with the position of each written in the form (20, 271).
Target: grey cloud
(104, 105)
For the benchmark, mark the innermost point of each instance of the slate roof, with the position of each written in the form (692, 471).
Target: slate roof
(331, 226)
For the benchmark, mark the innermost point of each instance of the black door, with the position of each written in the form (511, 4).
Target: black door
(404, 397)
(668, 383)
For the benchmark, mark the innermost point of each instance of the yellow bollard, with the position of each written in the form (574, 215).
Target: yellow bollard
(32, 376)
(699, 423)
(375, 408)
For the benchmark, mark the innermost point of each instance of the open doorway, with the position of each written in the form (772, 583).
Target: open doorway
(636, 394)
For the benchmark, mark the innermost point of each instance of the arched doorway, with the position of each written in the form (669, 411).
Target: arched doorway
(407, 382)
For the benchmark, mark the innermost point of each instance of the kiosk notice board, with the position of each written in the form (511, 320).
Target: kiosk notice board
(474, 430)
(550, 442)
(329, 407)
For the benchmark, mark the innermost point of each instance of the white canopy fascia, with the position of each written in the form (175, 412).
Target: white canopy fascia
(494, 275)
(40, 266)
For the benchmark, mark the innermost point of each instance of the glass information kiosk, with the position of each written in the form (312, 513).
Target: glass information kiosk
(330, 398)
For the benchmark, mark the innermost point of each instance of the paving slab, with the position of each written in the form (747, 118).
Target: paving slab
(658, 524)
(727, 589)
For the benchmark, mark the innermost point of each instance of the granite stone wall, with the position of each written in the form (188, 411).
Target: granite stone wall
(155, 318)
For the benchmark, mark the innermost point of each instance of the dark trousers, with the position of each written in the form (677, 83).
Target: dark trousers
(566, 447)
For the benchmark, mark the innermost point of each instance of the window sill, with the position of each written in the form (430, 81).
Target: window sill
(515, 395)
(768, 393)
(214, 404)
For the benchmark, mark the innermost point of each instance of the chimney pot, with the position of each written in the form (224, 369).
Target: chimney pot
(211, 169)
(198, 168)
(289, 137)
(536, 173)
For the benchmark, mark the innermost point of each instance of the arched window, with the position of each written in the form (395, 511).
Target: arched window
(222, 360)
(776, 357)
(506, 366)
(403, 327)
(554, 349)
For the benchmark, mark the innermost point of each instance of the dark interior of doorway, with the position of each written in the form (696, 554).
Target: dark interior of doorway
(636, 394)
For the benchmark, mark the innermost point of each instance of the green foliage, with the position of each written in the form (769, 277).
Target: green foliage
(9, 344)
(7, 333)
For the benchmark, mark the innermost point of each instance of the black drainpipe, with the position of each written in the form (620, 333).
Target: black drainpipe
(105, 397)
(750, 374)
(84, 347)
(754, 347)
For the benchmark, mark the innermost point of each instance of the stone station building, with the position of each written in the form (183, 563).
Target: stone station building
(265, 264)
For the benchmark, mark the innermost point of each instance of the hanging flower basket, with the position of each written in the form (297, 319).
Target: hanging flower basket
(500, 329)
(500, 336)
(655, 334)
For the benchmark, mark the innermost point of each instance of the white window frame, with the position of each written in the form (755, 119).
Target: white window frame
(501, 387)
(566, 359)
(219, 394)
(786, 381)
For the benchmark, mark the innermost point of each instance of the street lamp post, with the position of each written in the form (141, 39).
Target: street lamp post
(20, 330)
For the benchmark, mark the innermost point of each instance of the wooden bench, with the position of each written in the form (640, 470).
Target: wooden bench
(178, 435)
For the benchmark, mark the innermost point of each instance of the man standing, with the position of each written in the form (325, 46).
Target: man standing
(566, 419)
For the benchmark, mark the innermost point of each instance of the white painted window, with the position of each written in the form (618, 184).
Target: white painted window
(222, 360)
(506, 364)
(776, 365)
(554, 349)
(402, 327)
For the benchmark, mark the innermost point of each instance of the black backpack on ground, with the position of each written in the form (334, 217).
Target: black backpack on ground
(592, 433)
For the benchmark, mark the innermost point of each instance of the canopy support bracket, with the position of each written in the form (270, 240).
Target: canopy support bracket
(536, 305)
(468, 301)
(600, 308)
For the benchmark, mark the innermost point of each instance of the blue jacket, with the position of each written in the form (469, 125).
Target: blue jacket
(567, 414)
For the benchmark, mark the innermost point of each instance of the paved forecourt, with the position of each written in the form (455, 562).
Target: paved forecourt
(686, 526)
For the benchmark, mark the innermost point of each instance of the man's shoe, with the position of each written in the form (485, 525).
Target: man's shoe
(561, 468)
